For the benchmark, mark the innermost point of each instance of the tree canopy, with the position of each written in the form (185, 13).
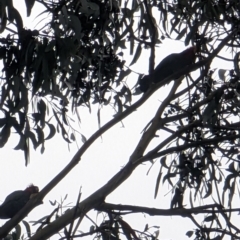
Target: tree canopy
(75, 57)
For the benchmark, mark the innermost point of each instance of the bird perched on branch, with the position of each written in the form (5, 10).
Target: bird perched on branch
(168, 66)
(15, 201)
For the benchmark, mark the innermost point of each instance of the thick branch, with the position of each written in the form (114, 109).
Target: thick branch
(150, 132)
(207, 209)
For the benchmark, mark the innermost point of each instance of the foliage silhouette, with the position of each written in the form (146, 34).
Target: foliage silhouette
(76, 59)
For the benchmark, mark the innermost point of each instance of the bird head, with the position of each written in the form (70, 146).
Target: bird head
(189, 55)
(193, 49)
(32, 189)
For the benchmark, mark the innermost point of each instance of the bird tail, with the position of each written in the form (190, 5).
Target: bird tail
(144, 83)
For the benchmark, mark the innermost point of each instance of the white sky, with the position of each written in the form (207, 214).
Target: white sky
(102, 160)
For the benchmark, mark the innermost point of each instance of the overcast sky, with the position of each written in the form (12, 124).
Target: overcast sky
(102, 160)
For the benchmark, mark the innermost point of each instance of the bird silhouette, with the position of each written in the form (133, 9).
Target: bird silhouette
(15, 201)
(168, 66)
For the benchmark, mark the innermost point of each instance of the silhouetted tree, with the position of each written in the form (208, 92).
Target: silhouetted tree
(76, 59)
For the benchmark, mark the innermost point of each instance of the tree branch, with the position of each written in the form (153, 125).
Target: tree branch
(185, 212)
(151, 155)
